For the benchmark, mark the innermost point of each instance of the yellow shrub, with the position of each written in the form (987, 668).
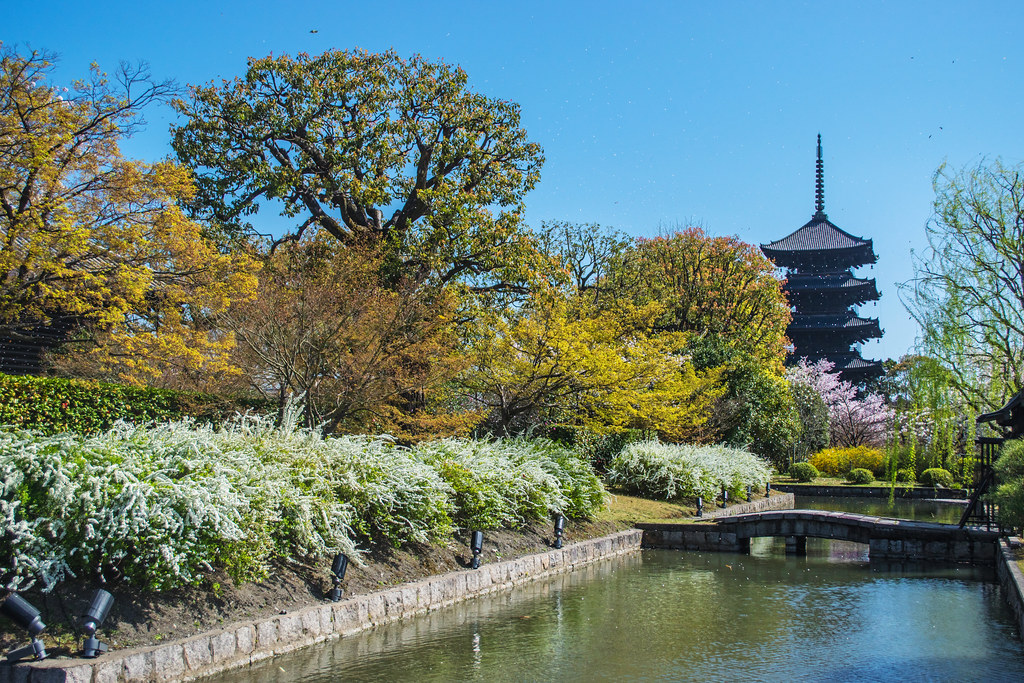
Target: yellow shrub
(836, 462)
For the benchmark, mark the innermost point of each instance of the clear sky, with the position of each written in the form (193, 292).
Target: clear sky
(651, 114)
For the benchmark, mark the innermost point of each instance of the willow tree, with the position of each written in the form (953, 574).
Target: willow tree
(967, 293)
(374, 149)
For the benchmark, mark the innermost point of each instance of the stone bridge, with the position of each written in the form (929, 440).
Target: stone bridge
(888, 539)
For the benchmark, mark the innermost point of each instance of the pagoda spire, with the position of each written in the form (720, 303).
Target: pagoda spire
(819, 185)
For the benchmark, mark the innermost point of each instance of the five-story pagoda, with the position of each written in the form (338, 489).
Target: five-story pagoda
(823, 291)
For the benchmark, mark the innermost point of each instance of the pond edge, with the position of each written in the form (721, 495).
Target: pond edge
(245, 643)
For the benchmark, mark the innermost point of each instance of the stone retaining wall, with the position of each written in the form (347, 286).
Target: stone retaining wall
(1011, 579)
(241, 644)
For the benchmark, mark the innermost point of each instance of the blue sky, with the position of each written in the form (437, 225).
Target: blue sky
(653, 114)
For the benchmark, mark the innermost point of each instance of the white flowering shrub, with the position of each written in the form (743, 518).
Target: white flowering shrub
(508, 482)
(159, 506)
(670, 471)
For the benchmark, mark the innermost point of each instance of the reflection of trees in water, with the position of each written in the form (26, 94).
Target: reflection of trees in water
(671, 614)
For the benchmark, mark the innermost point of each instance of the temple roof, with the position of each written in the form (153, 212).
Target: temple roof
(818, 234)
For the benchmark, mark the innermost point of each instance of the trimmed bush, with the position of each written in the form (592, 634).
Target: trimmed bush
(937, 477)
(681, 471)
(508, 482)
(836, 462)
(52, 405)
(804, 471)
(161, 506)
(860, 476)
(905, 475)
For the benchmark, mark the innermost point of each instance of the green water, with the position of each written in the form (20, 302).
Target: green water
(899, 508)
(683, 616)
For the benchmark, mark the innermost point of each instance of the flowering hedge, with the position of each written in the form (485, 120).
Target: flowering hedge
(681, 471)
(160, 506)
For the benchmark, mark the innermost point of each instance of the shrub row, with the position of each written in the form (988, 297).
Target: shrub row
(837, 462)
(52, 405)
(681, 471)
(160, 506)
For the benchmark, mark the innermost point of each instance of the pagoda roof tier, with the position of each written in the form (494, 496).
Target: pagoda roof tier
(847, 325)
(819, 244)
(840, 289)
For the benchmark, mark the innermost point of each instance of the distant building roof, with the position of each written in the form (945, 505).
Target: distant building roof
(818, 234)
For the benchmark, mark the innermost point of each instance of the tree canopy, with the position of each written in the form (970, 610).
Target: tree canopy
(967, 293)
(88, 234)
(718, 286)
(370, 148)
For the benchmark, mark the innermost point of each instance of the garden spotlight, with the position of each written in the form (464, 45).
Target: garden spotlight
(476, 544)
(338, 569)
(559, 530)
(102, 601)
(725, 497)
(700, 506)
(22, 613)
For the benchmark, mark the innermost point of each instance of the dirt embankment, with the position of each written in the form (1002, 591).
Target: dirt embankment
(147, 618)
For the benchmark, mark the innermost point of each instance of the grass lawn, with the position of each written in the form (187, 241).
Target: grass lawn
(630, 509)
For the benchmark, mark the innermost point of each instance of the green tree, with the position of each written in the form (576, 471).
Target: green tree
(967, 293)
(373, 149)
(717, 286)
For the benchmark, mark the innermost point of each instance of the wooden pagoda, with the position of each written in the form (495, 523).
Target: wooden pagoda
(819, 259)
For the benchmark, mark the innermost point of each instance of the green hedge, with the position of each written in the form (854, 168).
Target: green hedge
(596, 448)
(52, 405)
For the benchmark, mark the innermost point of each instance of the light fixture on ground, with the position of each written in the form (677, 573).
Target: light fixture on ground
(476, 544)
(725, 497)
(700, 506)
(102, 601)
(22, 613)
(559, 530)
(338, 569)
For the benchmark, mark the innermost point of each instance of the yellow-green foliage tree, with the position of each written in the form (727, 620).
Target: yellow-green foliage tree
(559, 359)
(89, 235)
(713, 287)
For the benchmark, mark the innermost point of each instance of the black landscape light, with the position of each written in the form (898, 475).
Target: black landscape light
(559, 530)
(22, 613)
(767, 489)
(750, 491)
(102, 601)
(700, 506)
(338, 569)
(476, 544)
(725, 496)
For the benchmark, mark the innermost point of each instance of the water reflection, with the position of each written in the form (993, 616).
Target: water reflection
(944, 512)
(695, 616)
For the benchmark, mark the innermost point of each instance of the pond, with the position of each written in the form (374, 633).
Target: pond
(660, 614)
(923, 510)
